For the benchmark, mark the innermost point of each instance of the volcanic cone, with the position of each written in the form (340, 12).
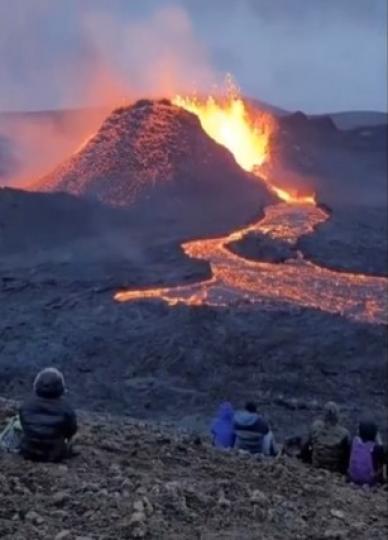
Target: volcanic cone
(154, 157)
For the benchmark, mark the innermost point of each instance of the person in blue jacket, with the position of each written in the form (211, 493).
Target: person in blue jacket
(252, 432)
(222, 429)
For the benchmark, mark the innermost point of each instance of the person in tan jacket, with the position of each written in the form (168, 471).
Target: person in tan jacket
(329, 442)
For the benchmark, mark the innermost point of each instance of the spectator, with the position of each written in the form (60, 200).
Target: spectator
(47, 420)
(329, 442)
(367, 455)
(222, 427)
(252, 432)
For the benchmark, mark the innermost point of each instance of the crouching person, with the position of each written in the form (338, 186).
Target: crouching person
(367, 455)
(47, 420)
(329, 441)
(253, 434)
(222, 429)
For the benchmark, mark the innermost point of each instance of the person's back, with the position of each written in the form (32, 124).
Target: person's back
(330, 441)
(222, 429)
(47, 420)
(367, 455)
(252, 432)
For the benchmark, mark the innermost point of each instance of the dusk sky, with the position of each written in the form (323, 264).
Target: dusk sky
(314, 55)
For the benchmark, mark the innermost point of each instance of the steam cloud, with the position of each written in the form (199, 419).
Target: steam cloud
(107, 62)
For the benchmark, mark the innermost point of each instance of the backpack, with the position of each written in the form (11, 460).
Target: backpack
(361, 469)
(11, 436)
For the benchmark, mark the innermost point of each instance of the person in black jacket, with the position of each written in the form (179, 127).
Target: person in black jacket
(48, 421)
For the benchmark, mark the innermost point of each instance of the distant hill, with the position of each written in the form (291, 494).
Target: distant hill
(266, 107)
(356, 119)
(57, 115)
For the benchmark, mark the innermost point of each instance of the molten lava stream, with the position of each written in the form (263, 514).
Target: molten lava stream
(236, 279)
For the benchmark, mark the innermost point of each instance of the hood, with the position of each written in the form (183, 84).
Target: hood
(225, 411)
(49, 384)
(368, 430)
(331, 413)
(245, 418)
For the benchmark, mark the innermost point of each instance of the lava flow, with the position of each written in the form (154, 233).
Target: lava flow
(236, 280)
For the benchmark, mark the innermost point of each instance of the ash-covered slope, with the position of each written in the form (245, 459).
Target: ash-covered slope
(156, 156)
(140, 481)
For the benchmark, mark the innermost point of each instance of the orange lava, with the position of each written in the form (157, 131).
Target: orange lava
(291, 197)
(238, 281)
(228, 122)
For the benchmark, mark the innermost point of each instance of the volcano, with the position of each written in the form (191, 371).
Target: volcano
(154, 158)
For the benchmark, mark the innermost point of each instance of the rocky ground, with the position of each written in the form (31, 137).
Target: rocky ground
(348, 172)
(352, 240)
(158, 362)
(133, 480)
(261, 247)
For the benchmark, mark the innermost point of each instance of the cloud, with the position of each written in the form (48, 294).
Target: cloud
(157, 55)
(102, 59)
(67, 54)
(314, 55)
(318, 56)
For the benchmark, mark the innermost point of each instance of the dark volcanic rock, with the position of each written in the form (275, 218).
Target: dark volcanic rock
(300, 121)
(348, 172)
(32, 221)
(353, 240)
(177, 363)
(58, 236)
(261, 247)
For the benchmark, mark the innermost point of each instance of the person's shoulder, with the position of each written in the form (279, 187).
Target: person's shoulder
(262, 424)
(238, 416)
(317, 425)
(29, 402)
(379, 451)
(344, 432)
(66, 405)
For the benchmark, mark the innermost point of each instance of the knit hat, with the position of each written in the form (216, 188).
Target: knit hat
(49, 383)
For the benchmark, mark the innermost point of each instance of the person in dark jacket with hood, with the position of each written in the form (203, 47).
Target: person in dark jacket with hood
(222, 428)
(47, 420)
(252, 432)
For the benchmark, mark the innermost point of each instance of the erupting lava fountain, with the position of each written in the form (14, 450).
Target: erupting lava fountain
(229, 123)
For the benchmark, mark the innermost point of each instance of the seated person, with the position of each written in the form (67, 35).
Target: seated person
(252, 432)
(367, 455)
(47, 420)
(328, 442)
(222, 429)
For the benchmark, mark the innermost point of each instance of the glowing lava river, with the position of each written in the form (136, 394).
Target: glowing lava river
(297, 282)
(236, 280)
